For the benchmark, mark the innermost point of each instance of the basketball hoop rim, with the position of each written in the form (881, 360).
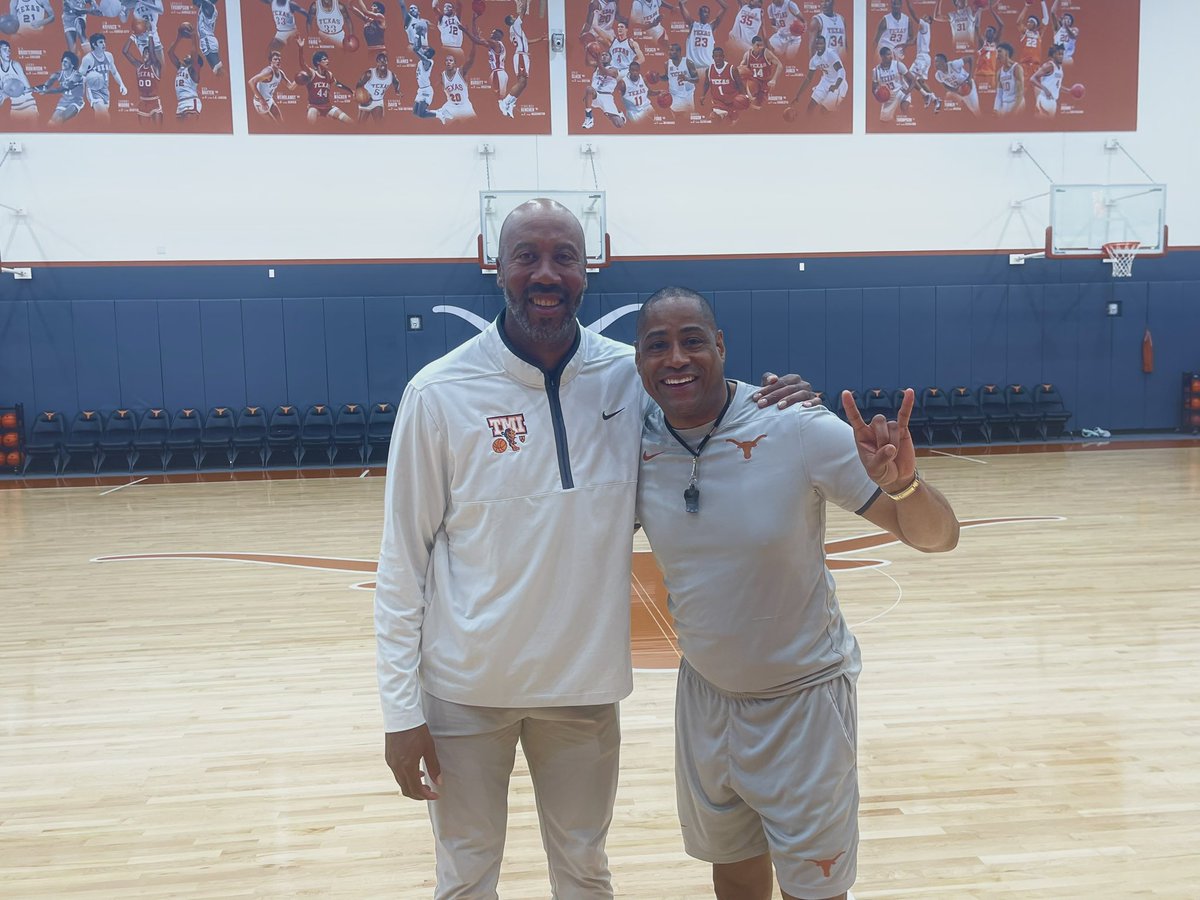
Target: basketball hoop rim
(1122, 255)
(1117, 247)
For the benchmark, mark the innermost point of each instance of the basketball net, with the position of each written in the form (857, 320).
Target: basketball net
(1122, 254)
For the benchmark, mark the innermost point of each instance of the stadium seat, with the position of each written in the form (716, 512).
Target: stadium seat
(84, 437)
(151, 436)
(120, 428)
(217, 436)
(935, 403)
(878, 402)
(379, 428)
(283, 433)
(45, 438)
(316, 432)
(1049, 403)
(184, 436)
(1025, 416)
(995, 411)
(250, 434)
(966, 407)
(350, 431)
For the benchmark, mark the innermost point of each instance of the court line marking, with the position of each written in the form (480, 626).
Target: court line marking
(878, 616)
(119, 486)
(656, 616)
(958, 456)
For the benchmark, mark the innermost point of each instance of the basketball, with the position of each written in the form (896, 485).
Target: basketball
(10, 24)
(14, 458)
(965, 89)
(302, 77)
(12, 87)
(652, 78)
(1077, 91)
(8, 420)
(362, 97)
(139, 26)
(798, 27)
(741, 101)
(499, 445)
(1195, 405)
(594, 49)
(789, 114)
(186, 30)
(883, 93)
(744, 73)
(351, 43)
(663, 100)
(11, 439)
(479, 7)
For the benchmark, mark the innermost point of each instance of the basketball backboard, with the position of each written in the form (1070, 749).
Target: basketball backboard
(588, 206)
(1085, 217)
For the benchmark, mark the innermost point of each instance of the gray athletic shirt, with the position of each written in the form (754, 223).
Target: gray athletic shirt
(754, 604)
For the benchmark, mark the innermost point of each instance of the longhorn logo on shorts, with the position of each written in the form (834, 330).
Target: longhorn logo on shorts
(826, 864)
(507, 431)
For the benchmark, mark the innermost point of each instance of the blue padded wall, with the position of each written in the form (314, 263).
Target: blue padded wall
(205, 336)
(52, 345)
(138, 361)
(264, 353)
(181, 354)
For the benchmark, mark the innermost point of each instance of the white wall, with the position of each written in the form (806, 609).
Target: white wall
(241, 197)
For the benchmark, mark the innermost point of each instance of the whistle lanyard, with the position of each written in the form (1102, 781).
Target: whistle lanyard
(691, 494)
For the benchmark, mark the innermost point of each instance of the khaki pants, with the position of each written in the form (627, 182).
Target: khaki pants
(573, 755)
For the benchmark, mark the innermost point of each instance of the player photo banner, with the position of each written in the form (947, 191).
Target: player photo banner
(114, 66)
(709, 66)
(942, 66)
(381, 67)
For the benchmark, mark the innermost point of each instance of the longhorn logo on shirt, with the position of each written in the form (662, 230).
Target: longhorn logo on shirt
(745, 446)
(507, 431)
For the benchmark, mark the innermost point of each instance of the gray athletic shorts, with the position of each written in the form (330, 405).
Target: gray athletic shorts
(755, 775)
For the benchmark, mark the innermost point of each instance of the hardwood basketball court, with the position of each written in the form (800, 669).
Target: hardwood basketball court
(210, 727)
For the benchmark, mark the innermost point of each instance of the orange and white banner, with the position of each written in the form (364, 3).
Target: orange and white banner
(710, 67)
(116, 66)
(378, 67)
(952, 66)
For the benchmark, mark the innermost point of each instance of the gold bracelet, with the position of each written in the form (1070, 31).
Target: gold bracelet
(906, 492)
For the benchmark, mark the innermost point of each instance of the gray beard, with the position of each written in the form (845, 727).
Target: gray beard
(543, 332)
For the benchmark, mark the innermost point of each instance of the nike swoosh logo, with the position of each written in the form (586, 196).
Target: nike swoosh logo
(646, 457)
(606, 416)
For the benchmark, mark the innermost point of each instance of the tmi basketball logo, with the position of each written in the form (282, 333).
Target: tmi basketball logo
(507, 431)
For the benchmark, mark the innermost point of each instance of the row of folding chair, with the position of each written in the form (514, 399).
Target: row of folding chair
(222, 433)
(988, 411)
